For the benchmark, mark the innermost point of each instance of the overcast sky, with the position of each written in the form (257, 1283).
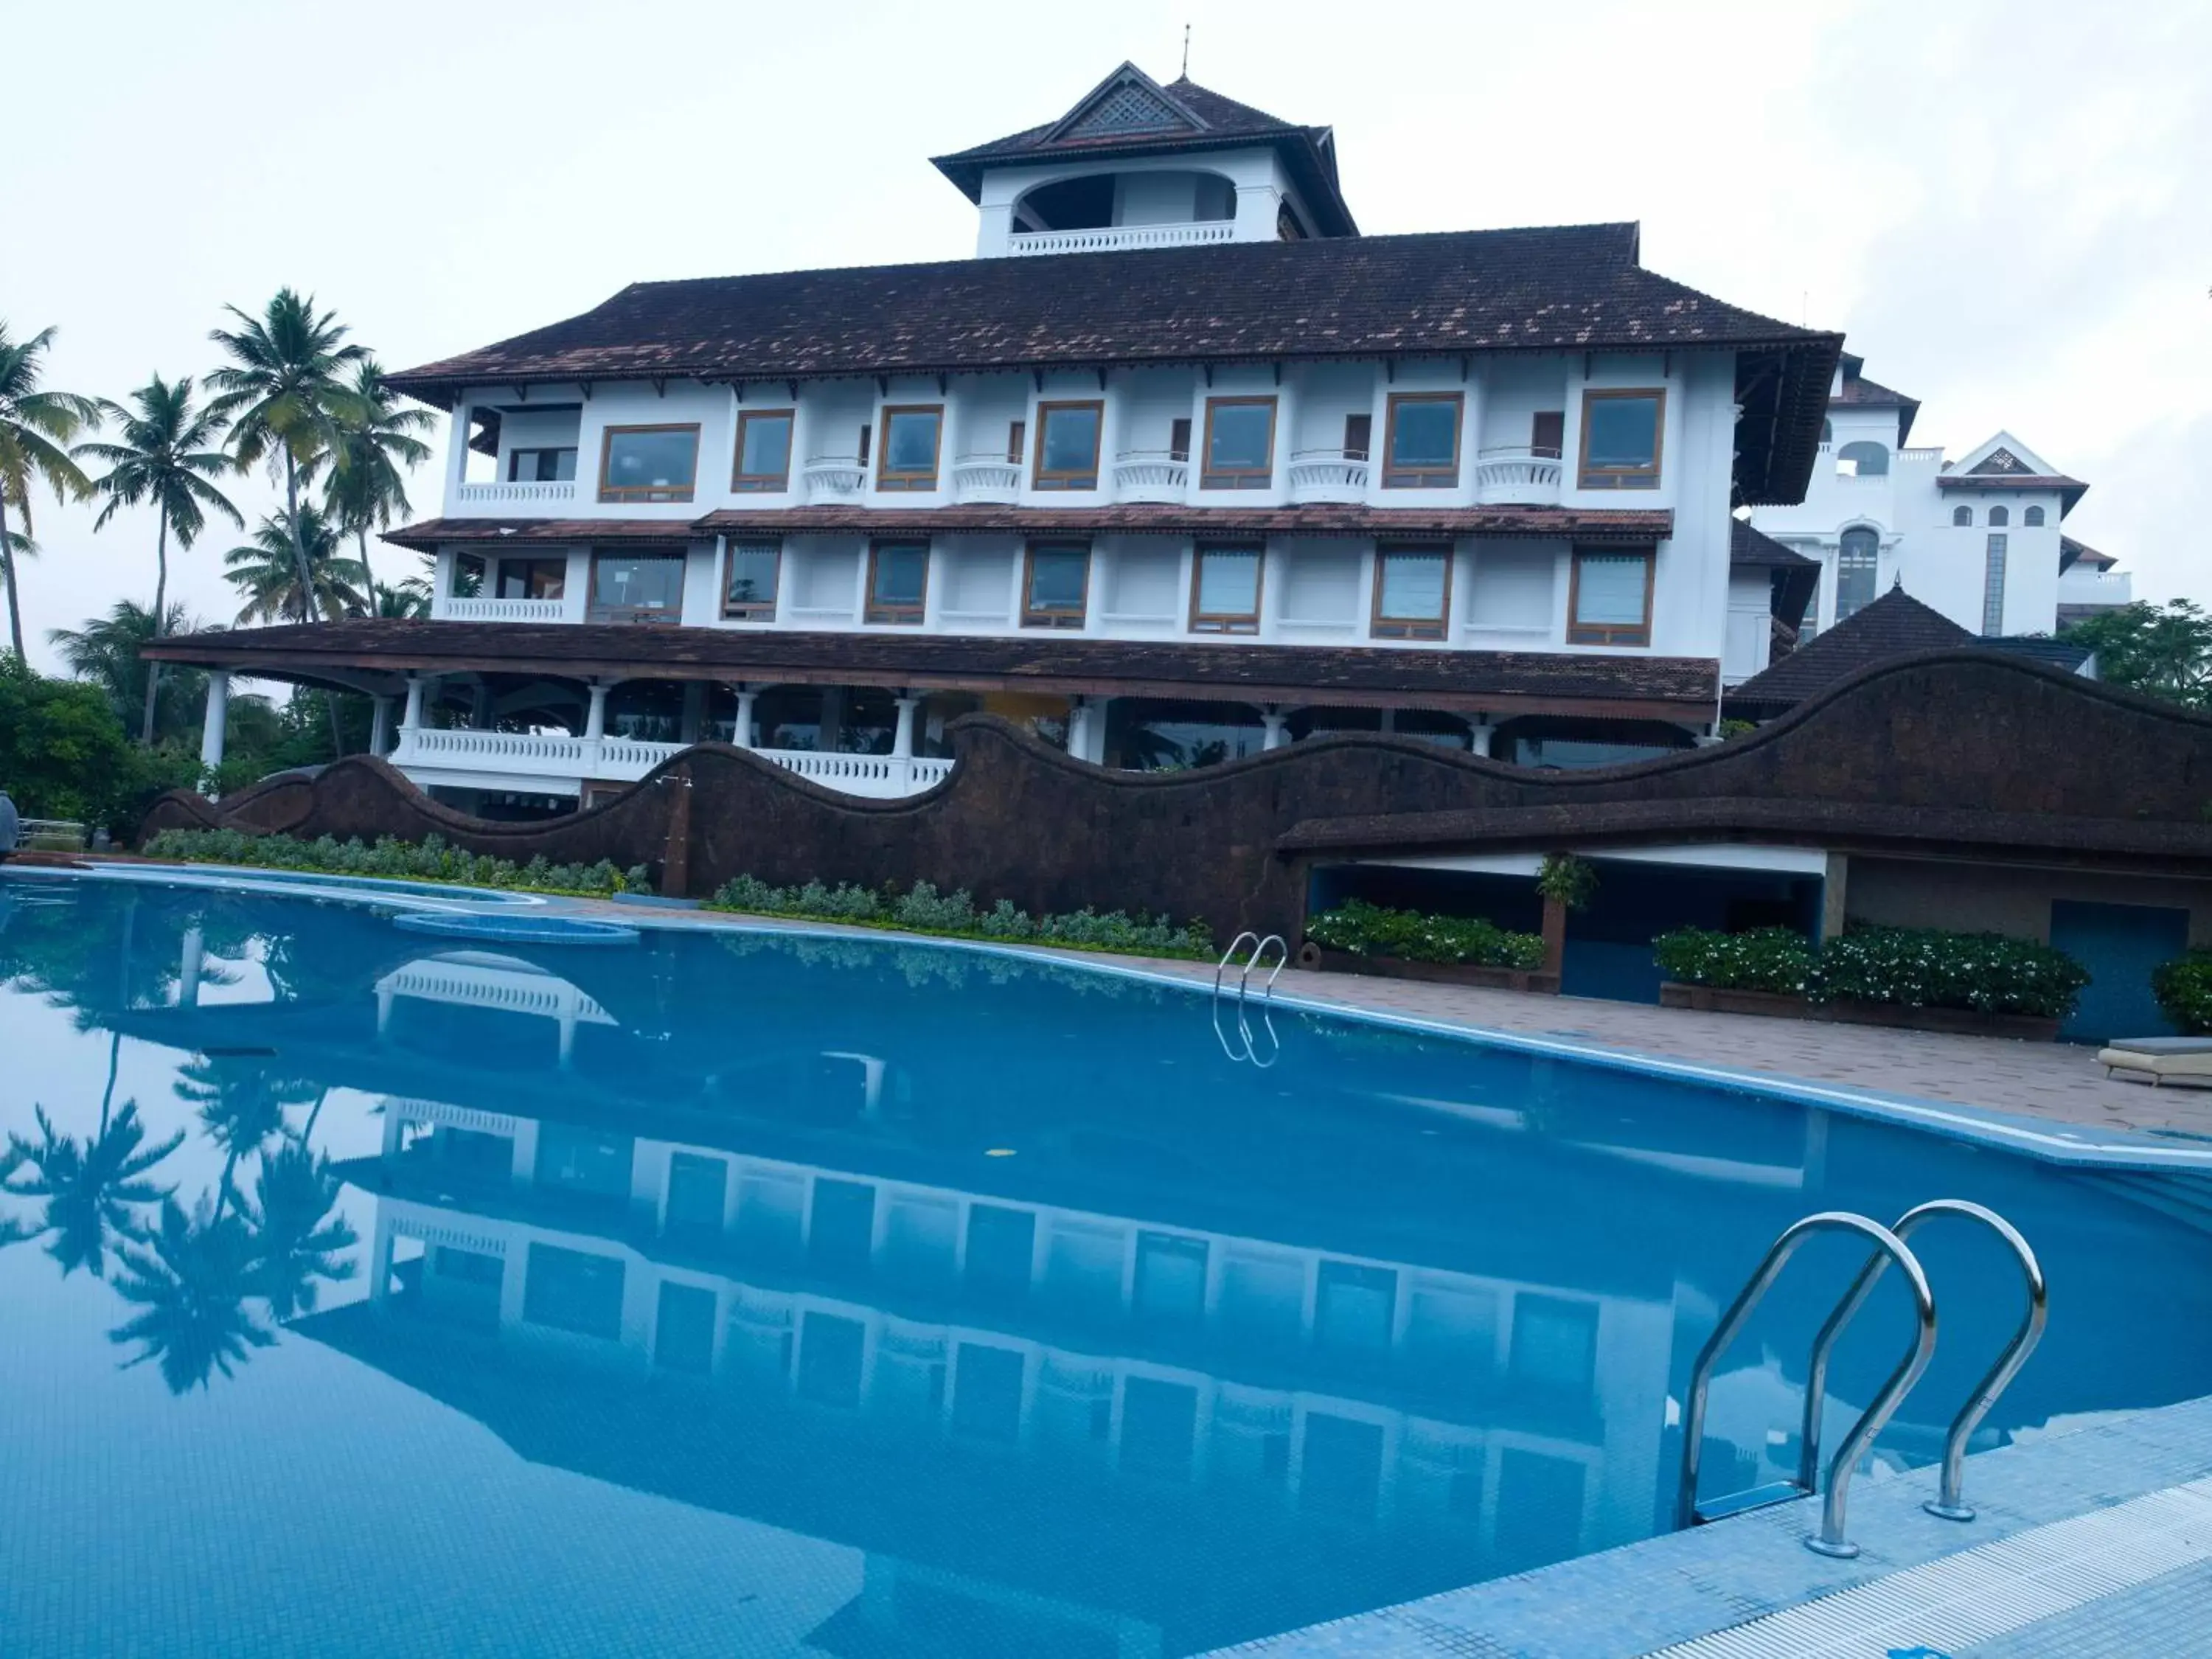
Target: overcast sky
(2006, 203)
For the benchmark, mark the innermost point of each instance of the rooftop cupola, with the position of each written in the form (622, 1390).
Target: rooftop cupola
(1136, 164)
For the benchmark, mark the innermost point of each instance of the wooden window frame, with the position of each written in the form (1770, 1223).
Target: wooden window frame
(1422, 477)
(1240, 477)
(1539, 450)
(592, 612)
(1382, 626)
(1061, 479)
(1362, 421)
(1579, 633)
(1018, 440)
(916, 484)
(497, 575)
(1622, 478)
(649, 492)
(1202, 622)
(1179, 427)
(750, 610)
(875, 615)
(1033, 617)
(767, 484)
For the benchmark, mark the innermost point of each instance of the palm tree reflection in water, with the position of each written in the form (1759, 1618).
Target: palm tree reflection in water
(192, 1277)
(93, 1192)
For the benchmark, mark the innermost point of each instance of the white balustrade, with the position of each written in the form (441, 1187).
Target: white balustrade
(986, 478)
(454, 609)
(1328, 475)
(1517, 478)
(433, 755)
(1103, 238)
(516, 494)
(1931, 453)
(1150, 475)
(833, 475)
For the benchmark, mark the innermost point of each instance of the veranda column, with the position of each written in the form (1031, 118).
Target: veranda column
(380, 726)
(695, 711)
(1079, 728)
(595, 725)
(1272, 722)
(903, 734)
(1478, 737)
(742, 735)
(410, 718)
(217, 725)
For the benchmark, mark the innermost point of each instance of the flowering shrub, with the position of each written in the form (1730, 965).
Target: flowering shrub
(429, 860)
(1370, 930)
(2183, 989)
(923, 910)
(1762, 959)
(1909, 967)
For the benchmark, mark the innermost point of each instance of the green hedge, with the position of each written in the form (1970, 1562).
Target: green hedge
(923, 910)
(2183, 989)
(1368, 930)
(429, 860)
(1909, 967)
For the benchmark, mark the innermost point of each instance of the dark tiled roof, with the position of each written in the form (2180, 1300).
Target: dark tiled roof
(2071, 490)
(1575, 289)
(1196, 119)
(1795, 576)
(2041, 647)
(1751, 546)
(1370, 676)
(2071, 553)
(1893, 625)
(427, 535)
(1859, 393)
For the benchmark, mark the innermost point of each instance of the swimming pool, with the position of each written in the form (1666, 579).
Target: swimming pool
(780, 1294)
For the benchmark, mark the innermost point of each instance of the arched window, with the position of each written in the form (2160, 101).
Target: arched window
(1858, 555)
(1999, 518)
(2032, 518)
(1866, 461)
(1962, 515)
(1827, 432)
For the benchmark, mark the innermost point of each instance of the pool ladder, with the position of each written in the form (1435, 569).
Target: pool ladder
(1241, 1043)
(1889, 1246)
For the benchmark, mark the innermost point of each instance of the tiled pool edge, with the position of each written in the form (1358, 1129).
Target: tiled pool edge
(1640, 1598)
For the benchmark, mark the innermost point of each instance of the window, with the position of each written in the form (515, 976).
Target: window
(1962, 516)
(541, 466)
(1067, 444)
(1609, 599)
(1055, 582)
(468, 580)
(1240, 443)
(1999, 517)
(1620, 440)
(748, 579)
(1359, 435)
(1179, 437)
(1421, 442)
(866, 431)
(1548, 432)
(2032, 518)
(1862, 460)
(1412, 593)
(1225, 591)
(764, 450)
(532, 579)
(639, 587)
(898, 581)
(1017, 435)
(1827, 432)
(1857, 560)
(909, 456)
(1993, 581)
(648, 463)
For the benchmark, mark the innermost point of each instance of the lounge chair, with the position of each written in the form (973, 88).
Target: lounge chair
(2155, 1060)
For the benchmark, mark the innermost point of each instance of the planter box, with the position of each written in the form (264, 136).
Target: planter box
(1433, 973)
(1958, 1022)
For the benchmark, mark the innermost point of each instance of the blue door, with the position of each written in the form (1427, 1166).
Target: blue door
(2119, 944)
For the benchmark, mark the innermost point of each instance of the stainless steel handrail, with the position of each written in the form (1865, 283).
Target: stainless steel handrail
(1282, 961)
(1259, 951)
(1948, 1505)
(1830, 1539)
(1229, 956)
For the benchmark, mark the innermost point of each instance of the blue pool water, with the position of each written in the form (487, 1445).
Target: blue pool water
(768, 1295)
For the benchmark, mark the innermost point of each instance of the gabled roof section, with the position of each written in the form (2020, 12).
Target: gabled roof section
(1855, 391)
(1129, 113)
(2071, 553)
(1578, 287)
(2002, 462)
(1893, 625)
(1793, 577)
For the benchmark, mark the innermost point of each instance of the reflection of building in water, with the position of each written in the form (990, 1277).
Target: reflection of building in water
(481, 979)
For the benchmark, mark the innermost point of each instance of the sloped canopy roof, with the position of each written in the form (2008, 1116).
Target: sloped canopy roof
(1795, 576)
(1129, 113)
(1858, 391)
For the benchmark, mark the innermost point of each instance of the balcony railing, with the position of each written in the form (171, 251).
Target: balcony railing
(833, 475)
(514, 494)
(566, 761)
(1150, 475)
(512, 611)
(1517, 478)
(1328, 475)
(986, 478)
(1104, 238)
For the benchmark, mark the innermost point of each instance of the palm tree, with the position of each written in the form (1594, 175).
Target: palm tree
(90, 1189)
(242, 1107)
(192, 1276)
(376, 444)
(297, 1242)
(267, 570)
(108, 650)
(280, 393)
(168, 453)
(407, 601)
(34, 428)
